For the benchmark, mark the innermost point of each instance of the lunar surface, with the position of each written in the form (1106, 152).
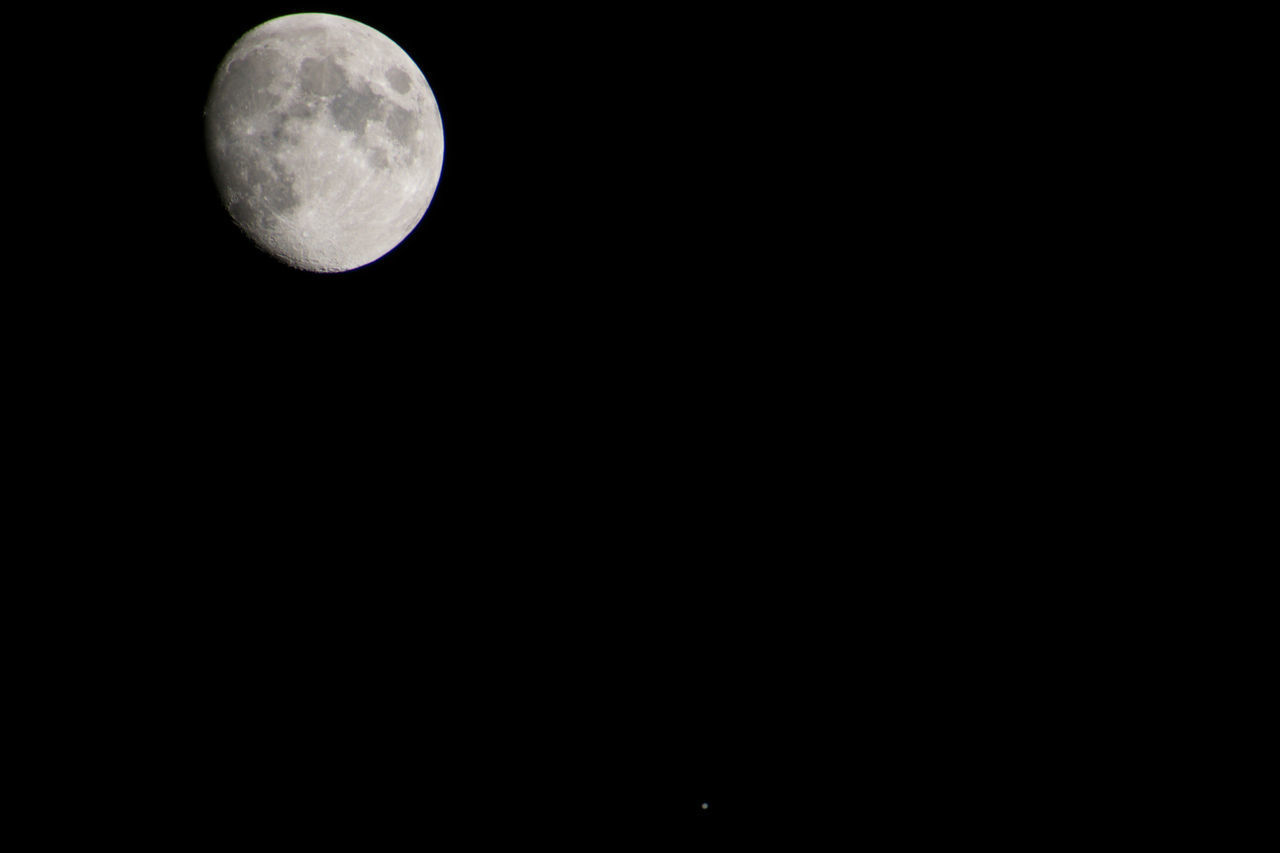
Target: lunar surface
(324, 140)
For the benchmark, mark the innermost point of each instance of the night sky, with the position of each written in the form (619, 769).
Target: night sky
(732, 429)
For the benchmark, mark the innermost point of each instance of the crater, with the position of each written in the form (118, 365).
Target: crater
(278, 192)
(322, 76)
(301, 109)
(353, 108)
(258, 189)
(402, 125)
(399, 80)
(305, 32)
(246, 86)
(242, 212)
(255, 175)
(279, 133)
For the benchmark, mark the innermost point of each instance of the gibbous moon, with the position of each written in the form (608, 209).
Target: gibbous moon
(324, 140)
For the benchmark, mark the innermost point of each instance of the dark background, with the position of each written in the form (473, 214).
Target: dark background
(679, 455)
(504, 529)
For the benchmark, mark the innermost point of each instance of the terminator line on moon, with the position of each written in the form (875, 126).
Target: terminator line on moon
(324, 140)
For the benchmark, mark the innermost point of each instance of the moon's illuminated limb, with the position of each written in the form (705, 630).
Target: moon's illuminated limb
(325, 140)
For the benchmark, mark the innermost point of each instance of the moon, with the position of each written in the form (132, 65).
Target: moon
(324, 140)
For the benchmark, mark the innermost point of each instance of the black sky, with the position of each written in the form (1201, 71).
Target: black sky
(729, 337)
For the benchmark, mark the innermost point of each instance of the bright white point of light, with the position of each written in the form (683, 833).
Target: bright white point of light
(704, 805)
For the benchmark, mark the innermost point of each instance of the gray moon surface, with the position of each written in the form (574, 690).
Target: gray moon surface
(324, 140)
